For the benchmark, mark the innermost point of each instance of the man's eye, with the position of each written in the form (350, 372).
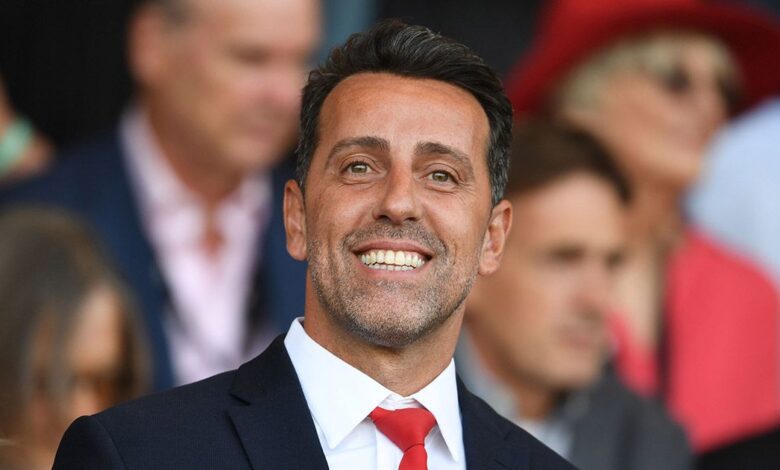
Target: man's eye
(358, 168)
(440, 177)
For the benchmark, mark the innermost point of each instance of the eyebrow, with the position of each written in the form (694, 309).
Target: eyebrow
(369, 142)
(428, 148)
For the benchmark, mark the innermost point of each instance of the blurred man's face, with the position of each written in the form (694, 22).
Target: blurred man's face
(226, 79)
(542, 314)
(397, 219)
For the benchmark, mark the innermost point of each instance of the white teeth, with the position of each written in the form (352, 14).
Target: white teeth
(392, 260)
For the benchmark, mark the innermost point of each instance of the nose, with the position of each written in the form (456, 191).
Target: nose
(595, 291)
(399, 200)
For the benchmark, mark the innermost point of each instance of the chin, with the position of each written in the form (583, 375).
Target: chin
(573, 379)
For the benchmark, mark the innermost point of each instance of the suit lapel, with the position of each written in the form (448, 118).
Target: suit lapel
(275, 425)
(485, 439)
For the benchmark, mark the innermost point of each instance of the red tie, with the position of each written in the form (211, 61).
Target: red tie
(407, 429)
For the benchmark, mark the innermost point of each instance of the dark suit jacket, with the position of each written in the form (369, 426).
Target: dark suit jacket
(91, 181)
(621, 431)
(257, 417)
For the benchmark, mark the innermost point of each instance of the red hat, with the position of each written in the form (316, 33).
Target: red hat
(573, 29)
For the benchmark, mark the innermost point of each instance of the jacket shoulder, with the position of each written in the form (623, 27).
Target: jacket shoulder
(157, 431)
(630, 431)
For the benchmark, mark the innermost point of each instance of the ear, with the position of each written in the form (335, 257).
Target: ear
(495, 237)
(146, 46)
(295, 220)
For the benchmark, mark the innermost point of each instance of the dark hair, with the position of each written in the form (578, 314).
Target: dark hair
(416, 52)
(49, 265)
(543, 152)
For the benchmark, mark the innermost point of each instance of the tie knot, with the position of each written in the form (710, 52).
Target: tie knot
(406, 427)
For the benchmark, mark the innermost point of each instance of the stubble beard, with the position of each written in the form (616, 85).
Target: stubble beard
(390, 314)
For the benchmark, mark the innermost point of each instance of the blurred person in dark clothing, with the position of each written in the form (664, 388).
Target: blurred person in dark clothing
(69, 337)
(536, 342)
(654, 81)
(186, 193)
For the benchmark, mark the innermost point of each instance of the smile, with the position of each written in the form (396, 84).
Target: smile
(392, 260)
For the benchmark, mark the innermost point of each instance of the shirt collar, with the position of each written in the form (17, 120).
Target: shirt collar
(440, 397)
(340, 396)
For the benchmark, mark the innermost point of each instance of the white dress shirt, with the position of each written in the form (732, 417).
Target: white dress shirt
(341, 397)
(206, 324)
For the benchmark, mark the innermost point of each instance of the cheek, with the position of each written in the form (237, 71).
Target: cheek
(530, 301)
(459, 230)
(332, 214)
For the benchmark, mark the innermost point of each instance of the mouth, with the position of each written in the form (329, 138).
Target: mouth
(393, 255)
(393, 260)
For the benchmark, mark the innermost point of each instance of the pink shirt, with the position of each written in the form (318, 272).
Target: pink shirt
(206, 324)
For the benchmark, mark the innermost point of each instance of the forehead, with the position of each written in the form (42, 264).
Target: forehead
(285, 24)
(404, 111)
(578, 209)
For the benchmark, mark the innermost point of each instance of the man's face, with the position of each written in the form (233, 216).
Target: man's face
(542, 314)
(400, 169)
(227, 79)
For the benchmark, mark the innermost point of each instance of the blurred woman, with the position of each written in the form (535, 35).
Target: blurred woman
(654, 80)
(69, 343)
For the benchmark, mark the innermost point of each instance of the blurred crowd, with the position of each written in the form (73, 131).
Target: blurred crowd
(634, 322)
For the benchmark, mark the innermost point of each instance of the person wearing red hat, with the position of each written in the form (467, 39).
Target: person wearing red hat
(654, 80)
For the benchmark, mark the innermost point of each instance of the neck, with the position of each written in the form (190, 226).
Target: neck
(405, 370)
(654, 216)
(192, 164)
(533, 402)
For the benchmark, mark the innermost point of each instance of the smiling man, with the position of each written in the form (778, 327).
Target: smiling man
(402, 163)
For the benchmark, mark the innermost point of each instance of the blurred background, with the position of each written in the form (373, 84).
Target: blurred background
(152, 138)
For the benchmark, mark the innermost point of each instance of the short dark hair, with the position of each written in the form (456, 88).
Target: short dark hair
(416, 52)
(544, 151)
